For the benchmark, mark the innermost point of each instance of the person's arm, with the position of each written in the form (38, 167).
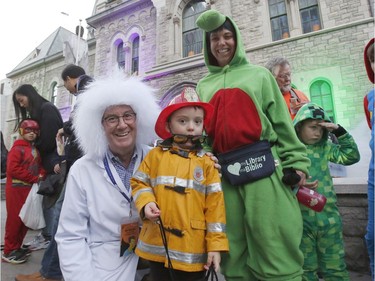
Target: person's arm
(215, 216)
(16, 167)
(73, 233)
(290, 149)
(141, 190)
(346, 151)
(367, 112)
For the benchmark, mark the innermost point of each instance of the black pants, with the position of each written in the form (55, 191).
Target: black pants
(160, 273)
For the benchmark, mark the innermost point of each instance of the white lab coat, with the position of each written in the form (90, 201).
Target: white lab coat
(88, 235)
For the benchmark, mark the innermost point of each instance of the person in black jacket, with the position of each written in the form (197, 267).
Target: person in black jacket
(28, 103)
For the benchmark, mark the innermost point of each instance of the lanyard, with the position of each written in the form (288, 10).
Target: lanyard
(109, 172)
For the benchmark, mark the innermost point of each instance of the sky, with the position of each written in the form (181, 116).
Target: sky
(24, 24)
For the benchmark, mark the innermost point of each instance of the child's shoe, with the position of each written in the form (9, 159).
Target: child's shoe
(16, 256)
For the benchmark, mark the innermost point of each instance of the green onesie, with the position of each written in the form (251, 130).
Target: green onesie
(322, 242)
(264, 223)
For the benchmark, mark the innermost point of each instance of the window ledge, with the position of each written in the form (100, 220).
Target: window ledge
(175, 66)
(350, 185)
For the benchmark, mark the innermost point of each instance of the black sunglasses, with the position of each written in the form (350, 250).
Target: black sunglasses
(182, 139)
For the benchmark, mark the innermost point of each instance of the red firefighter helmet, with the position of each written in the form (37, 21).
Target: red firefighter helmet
(29, 125)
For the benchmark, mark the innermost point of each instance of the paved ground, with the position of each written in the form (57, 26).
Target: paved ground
(9, 271)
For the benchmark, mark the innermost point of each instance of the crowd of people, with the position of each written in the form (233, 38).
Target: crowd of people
(124, 201)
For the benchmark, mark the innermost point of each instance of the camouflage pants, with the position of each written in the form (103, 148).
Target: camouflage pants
(323, 249)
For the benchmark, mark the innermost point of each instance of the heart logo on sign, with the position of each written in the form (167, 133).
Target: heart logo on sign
(234, 169)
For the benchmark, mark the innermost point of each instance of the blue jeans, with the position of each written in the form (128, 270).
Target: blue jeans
(48, 217)
(370, 223)
(50, 262)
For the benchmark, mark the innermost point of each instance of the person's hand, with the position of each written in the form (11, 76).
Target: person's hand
(213, 258)
(329, 126)
(59, 135)
(151, 211)
(303, 178)
(57, 169)
(41, 177)
(311, 185)
(303, 181)
(216, 161)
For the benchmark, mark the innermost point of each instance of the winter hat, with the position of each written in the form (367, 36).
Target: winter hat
(111, 91)
(311, 111)
(188, 97)
(210, 20)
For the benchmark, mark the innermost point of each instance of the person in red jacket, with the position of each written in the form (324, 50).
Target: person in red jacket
(24, 168)
(282, 71)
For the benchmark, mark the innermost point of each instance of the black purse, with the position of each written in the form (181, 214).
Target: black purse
(247, 163)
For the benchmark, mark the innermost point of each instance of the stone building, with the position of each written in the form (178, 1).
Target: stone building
(158, 41)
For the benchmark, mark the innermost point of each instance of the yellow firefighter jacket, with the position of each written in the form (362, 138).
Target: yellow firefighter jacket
(188, 192)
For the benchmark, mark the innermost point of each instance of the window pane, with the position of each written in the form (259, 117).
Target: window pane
(273, 11)
(310, 18)
(54, 94)
(279, 19)
(281, 8)
(121, 55)
(193, 42)
(321, 94)
(135, 55)
(192, 36)
(135, 49)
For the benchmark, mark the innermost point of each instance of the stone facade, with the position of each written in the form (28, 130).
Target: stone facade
(334, 53)
(352, 203)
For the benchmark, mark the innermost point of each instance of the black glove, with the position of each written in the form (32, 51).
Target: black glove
(290, 177)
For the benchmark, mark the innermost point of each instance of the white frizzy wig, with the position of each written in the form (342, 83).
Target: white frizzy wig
(103, 93)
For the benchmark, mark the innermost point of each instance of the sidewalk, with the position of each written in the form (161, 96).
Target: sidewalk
(9, 271)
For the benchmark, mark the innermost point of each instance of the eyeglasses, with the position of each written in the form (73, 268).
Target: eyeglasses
(285, 76)
(114, 120)
(182, 139)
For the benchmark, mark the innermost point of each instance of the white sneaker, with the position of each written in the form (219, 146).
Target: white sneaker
(38, 243)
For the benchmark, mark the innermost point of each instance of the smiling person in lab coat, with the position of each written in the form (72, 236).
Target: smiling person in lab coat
(114, 122)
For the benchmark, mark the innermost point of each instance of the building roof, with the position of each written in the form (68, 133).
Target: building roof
(51, 46)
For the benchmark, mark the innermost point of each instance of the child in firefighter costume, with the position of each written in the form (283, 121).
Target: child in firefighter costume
(264, 225)
(322, 241)
(178, 184)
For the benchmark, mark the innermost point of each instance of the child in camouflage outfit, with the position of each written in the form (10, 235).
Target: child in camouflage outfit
(322, 242)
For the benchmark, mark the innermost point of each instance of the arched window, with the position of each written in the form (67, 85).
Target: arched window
(121, 55)
(192, 36)
(321, 94)
(54, 93)
(135, 55)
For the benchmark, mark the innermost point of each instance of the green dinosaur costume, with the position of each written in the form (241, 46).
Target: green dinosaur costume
(264, 223)
(322, 242)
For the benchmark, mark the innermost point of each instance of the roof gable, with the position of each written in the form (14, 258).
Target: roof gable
(52, 45)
